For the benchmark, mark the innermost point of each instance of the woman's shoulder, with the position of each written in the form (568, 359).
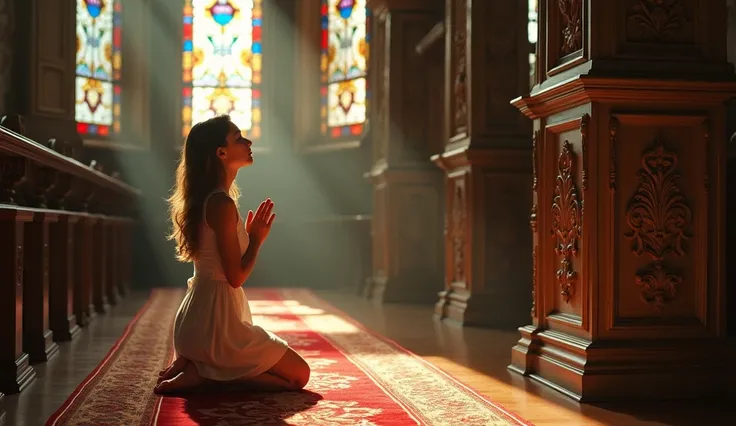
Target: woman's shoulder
(221, 209)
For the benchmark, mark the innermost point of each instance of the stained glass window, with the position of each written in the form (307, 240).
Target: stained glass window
(532, 29)
(344, 60)
(99, 59)
(222, 62)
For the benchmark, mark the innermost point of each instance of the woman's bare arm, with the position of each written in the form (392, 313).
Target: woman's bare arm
(222, 217)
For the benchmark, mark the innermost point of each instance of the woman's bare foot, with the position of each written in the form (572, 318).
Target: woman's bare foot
(189, 378)
(173, 369)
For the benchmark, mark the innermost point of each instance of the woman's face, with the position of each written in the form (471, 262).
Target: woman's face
(237, 152)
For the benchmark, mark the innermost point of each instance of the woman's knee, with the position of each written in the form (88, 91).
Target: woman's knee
(301, 375)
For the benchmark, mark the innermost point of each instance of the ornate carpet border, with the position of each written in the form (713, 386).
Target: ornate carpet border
(122, 384)
(458, 400)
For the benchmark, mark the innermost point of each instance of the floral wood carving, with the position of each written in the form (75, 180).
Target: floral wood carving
(659, 217)
(572, 32)
(663, 21)
(460, 86)
(613, 130)
(458, 233)
(566, 220)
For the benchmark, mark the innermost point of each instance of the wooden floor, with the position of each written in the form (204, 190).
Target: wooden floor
(478, 357)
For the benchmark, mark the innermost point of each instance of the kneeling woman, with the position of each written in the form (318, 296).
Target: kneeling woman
(214, 335)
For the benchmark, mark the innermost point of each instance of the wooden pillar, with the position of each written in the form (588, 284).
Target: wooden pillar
(15, 370)
(62, 278)
(38, 341)
(112, 252)
(487, 161)
(99, 264)
(83, 269)
(629, 117)
(407, 200)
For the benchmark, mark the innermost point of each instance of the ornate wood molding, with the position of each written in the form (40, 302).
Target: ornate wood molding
(566, 221)
(535, 158)
(534, 281)
(659, 217)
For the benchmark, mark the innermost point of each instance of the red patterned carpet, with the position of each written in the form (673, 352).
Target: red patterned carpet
(358, 377)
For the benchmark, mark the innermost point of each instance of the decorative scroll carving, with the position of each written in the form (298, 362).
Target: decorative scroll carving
(613, 129)
(458, 233)
(663, 21)
(658, 216)
(534, 281)
(566, 220)
(533, 218)
(706, 141)
(460, 85)
(572, 32)
(584, 120)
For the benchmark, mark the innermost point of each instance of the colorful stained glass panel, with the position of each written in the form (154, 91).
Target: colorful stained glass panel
(222, 62)
(346, 103)
(98, 64)
(344, 62)
(347, 49)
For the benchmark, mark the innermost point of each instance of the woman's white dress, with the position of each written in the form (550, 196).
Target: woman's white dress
(214, 328)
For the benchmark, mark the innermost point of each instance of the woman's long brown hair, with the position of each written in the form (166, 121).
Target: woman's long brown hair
(199, 172)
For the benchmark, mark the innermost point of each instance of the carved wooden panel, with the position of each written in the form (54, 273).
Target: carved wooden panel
(561, 188)
(456, 239)
(53, 49)
(660, 229)
(457, 70)
(659, 21)
(567, 34)
(672, 29)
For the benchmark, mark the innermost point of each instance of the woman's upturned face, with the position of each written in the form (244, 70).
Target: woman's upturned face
(237, 152)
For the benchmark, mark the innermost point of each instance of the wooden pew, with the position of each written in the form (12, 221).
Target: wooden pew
(62, 252)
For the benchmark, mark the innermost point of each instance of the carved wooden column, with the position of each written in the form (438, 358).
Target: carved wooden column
(15, 370)
(62, 278)
(38, 341)
(99, 264)
(628, 217)
(486, 158)
(407, 202)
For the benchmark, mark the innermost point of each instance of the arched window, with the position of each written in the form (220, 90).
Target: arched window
(222, 62)
(533, 31)
(99, 59)
(344, 65)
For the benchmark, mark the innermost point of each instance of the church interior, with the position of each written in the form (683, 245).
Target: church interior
(489, 212)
